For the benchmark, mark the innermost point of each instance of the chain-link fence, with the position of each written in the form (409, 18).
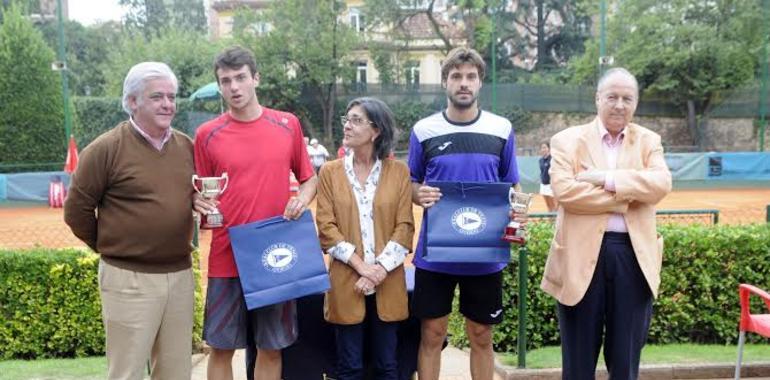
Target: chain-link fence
(702, 216)
(18, 232)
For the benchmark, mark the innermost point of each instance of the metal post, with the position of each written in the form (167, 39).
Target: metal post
(64, 88)
(522, 337)
(763, 86)
(494, 62)
(767, 214)
(196, 233)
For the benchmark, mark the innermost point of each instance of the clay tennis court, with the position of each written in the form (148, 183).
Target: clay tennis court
(40, 226)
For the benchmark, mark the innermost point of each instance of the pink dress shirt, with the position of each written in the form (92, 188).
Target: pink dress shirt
(156, 143)
(611, 149)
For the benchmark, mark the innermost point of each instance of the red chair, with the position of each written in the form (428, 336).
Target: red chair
(756, 323)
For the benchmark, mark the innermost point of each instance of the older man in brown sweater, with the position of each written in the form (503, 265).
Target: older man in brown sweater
(130, 201)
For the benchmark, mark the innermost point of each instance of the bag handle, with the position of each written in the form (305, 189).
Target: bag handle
(468, 186)
(279, 219)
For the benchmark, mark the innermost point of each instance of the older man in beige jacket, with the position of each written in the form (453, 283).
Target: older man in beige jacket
(605, 258)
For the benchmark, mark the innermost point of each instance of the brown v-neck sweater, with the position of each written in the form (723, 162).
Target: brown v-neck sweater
(132, 203)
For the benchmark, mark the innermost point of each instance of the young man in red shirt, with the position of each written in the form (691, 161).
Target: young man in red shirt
(257, 147)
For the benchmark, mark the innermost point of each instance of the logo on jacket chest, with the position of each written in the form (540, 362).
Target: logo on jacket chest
(279, 257)
(469, 220)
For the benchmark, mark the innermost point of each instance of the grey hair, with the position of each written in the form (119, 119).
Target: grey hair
(138, 77)
(616, 71)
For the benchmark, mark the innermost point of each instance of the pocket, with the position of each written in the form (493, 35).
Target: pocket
(117, 280)
(554, 266)
(659, 251)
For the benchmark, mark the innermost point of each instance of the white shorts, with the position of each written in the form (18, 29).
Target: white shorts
(546, 190)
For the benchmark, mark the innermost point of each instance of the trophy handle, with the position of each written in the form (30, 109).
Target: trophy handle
(224, 176)
(194, 179)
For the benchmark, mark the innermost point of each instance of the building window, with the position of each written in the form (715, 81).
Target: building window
(356, 19)
(412, 75)
(359, 80)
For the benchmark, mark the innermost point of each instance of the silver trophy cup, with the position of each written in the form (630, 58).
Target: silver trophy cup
(514, 231)
(211, 188)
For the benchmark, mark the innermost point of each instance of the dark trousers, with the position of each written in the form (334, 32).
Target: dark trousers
(381, 340)
(617, 309)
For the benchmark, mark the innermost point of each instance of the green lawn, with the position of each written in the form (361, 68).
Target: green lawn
(550, 357)
(54, 369)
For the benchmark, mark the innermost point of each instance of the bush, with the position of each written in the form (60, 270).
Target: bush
(50, 306)
(30, 96)
(698, 298)
(407, 113)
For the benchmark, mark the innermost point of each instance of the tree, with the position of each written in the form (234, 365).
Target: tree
(189, 55)
(548, 32)
(152, 17)
(688, 51)
(470, 20)
(554, 29)
(189, 15)
(148, 17)
(32, 119)
(87, 52)
(307, 39)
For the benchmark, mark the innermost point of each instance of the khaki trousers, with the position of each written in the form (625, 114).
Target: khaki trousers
(147, 316)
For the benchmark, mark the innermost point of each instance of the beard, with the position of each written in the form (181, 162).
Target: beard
(462, 104)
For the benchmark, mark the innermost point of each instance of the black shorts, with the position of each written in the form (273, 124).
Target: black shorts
(481, 297)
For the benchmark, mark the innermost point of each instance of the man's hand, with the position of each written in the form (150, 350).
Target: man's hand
(294, 208)
(592, 176)
(521, 218)
(427, 196)
(204, 206)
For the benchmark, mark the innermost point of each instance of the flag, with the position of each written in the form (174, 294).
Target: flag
(72, 156)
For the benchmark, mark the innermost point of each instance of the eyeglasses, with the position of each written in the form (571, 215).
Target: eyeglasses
(354, 120)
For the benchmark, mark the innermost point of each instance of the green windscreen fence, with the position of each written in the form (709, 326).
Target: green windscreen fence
(739, 103)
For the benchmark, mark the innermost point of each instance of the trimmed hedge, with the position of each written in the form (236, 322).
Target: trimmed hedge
(50, 307)
(698, 299)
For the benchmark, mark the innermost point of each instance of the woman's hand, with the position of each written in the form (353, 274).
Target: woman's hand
(364, 286)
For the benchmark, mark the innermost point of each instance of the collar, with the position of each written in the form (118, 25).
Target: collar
(157, 143)
(605, 136)
(348, 164)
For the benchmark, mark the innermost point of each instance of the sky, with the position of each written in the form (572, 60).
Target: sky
(88, 12)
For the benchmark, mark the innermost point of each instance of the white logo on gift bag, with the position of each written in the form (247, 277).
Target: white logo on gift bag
(279, 257)
(469, 220)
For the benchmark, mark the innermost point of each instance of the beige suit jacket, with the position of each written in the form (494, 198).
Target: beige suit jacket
(642, 179)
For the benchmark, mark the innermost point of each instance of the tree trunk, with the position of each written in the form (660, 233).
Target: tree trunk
(541, 55)
(327, 107)
(704, 143)
(692, 124)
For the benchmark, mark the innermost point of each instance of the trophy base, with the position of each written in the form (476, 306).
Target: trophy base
(212, 221)
(513, 239)
(514, 234)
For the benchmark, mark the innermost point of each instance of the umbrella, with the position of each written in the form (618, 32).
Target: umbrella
(72, 156)
(207, 92)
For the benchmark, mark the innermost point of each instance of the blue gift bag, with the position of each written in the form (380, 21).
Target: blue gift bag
(278, 260)
(467, 223)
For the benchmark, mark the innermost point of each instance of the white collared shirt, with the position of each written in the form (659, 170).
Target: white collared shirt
(156, 143)
(393, 254)
(611, 149)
